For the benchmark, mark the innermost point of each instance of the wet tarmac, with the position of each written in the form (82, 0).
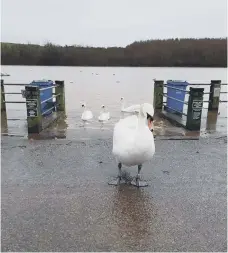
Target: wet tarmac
(56, 197)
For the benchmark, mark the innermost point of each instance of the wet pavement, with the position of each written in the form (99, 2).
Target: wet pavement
(56, 197)
(69, 127)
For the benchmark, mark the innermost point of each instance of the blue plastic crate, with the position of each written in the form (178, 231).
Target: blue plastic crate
(45, 94)
(178, 94)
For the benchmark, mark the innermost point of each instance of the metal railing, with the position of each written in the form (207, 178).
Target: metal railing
(36, 108)
(194, 104)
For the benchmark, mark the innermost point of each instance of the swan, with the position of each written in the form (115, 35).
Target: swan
(133, 143)
(135, 108)
(87, 115)
(129, 109)
(104, 116)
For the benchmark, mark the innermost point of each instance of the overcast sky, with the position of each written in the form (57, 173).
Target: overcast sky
(110, 22)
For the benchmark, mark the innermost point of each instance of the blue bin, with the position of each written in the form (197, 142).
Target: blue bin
(45, 94)
(180, 95)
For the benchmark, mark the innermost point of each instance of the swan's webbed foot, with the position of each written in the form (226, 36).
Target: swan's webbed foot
(138, 182)
(118, 180)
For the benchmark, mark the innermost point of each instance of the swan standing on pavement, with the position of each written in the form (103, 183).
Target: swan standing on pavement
(133, 143)
(87, 115)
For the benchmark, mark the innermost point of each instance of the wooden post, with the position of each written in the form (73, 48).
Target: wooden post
(3, 105)
(195, 106)
(158, 94)
(60, 100)
(34, 116)
(214, 95)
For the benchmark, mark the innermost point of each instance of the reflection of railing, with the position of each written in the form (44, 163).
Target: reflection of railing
(194, 103)
(36, 115)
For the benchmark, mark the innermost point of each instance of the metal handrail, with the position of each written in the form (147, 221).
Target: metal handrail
(204, 84)
(176, 99)
(12, 93)
(46, 88)
(48, 110)
(16, 84)
(176, 88)
(14, 102)
(176, 110)
(54, 96)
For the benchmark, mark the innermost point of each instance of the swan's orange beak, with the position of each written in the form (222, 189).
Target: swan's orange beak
(150, 125)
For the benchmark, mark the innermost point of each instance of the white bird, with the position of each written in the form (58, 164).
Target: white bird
(129, 109)
(133, 143)
(135, 108)
(104, 116)
(87, 115)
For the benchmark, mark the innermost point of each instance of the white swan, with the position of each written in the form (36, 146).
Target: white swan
(129, 109)
(87, 115)
(104, 116)
(133, 143)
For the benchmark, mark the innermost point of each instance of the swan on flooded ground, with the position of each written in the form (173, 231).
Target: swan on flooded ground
(87, 115)
(129, 109)
(104, 116)
(133, 143)
(135, 108)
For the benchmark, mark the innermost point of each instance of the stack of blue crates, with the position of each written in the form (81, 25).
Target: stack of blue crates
(178, 94)
(45, 94)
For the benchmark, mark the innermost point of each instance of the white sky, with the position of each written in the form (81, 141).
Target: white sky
(110, 22)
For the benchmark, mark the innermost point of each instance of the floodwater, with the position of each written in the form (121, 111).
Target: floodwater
(106, 85)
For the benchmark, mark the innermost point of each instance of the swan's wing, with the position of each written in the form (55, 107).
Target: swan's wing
(123, 139)
(132, 108)
(104, 116)
(87, 115)
(129, 122)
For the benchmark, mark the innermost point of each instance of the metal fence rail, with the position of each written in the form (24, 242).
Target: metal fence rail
(196, 100)
(34, 105)
(175, 99)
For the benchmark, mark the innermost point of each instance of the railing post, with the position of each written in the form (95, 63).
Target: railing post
(33, 105)
(3, 105)
(195, 106)
(60, 100)
(158, 94)
(214, 95)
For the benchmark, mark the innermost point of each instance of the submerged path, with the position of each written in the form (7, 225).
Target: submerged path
(55, 197)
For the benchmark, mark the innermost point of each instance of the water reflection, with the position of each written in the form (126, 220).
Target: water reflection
(4, 123)
(133, 212)
(57, 130)
(211, 120)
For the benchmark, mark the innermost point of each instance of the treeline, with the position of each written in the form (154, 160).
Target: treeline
(156, 53)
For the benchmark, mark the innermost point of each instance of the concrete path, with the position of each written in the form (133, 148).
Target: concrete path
(55, 197)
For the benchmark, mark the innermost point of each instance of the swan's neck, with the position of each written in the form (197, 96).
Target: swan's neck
(84, 109)
(122, 104)
(142, 120)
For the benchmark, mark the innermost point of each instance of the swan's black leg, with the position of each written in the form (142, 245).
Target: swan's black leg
(119, 177)
(138, 182)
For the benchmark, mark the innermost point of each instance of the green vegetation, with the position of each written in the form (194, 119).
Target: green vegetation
(157, 53)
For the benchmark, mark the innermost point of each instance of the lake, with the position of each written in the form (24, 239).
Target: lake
(103, 85)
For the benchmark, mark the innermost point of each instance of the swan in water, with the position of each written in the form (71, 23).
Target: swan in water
(133, 142)
(87, 115)
(135, 108)
(104, 116)
(129, 109)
